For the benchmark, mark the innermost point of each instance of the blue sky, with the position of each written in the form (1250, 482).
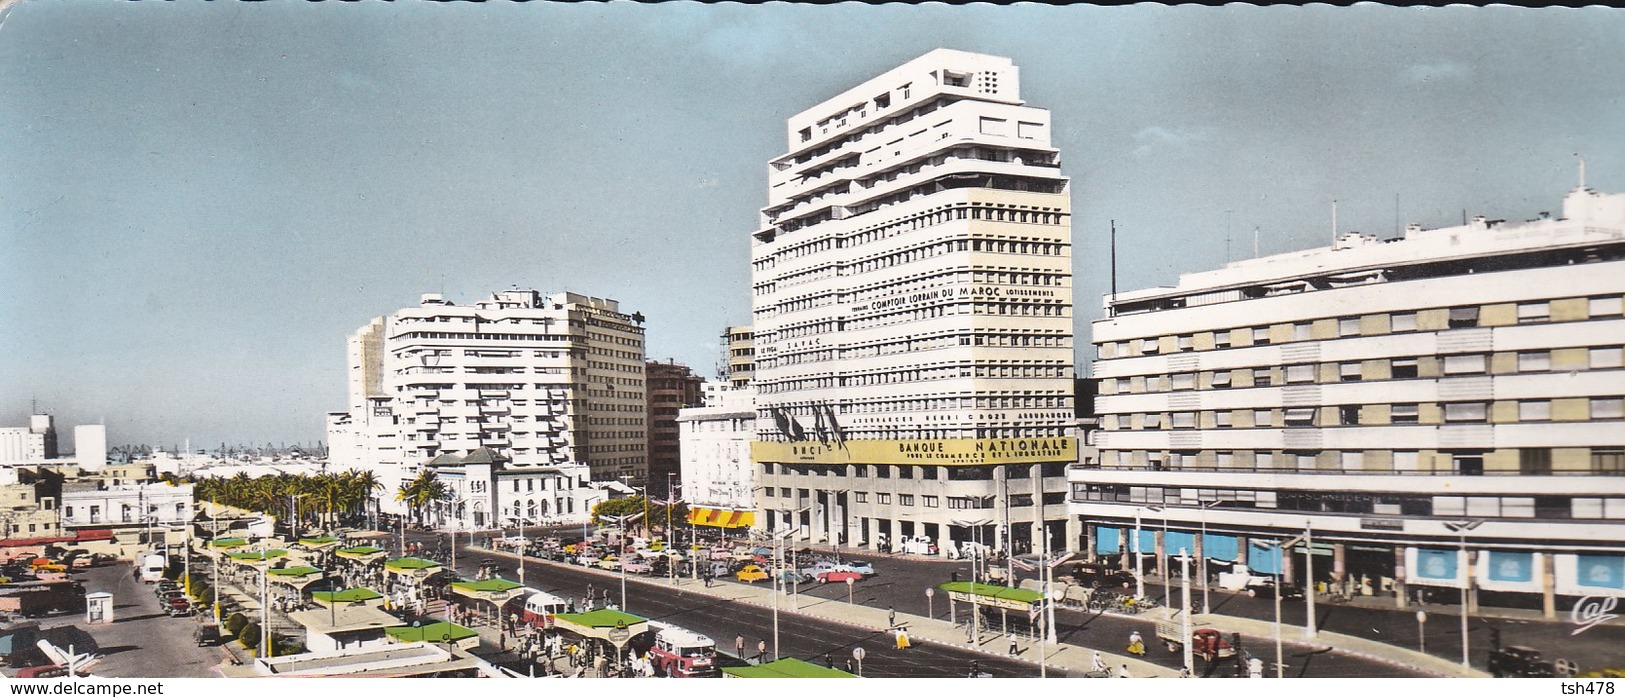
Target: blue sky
(200, 201)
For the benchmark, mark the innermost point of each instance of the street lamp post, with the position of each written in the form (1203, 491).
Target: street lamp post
(1461, 529)
(1309, 627)
(1206, 607)
(620, 522)
(778, 558)
(1185, 612)
(975, 607)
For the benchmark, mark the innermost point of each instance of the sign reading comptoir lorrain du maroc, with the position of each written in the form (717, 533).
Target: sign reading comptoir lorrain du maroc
(951, 451)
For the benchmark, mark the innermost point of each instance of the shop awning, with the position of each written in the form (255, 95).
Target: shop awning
(785, 668)
(361, 554)
(721, 518)
(412, 567)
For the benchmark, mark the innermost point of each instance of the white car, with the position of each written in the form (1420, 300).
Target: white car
(861, 567)
(588, 560)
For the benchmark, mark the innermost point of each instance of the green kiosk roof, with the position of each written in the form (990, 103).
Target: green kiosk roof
(228, 542)
(786, 668)
(987, 590)
(259, 556)
(410, 564)
(601, 618)
(490, 585)
(352, 595)
(296, 571)
(439, 631)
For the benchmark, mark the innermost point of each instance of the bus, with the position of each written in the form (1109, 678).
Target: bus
(538, 608)
(680, 653)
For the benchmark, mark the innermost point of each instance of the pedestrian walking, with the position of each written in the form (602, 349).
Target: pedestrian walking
(1011, 637)
(761, 650)
(891, 617)
(739, 646)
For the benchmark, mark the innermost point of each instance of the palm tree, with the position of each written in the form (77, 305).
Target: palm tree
(422, 491)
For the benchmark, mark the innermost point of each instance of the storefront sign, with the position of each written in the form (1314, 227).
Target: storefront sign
(953, 451)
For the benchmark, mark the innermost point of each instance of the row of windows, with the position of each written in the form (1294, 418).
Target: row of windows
(1028, 400)
(1532, 461)
(1503, 363)
(926, 472)
(1568, 309)
(915, 344)
(1504, 411)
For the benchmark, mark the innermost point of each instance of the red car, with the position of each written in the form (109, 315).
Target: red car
(838, 576)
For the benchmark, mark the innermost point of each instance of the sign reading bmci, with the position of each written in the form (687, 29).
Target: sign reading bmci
(951, 451)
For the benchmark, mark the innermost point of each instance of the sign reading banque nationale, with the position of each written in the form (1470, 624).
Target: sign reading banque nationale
(948, 451)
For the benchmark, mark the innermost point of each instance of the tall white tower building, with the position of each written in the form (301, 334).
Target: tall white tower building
(912, 280)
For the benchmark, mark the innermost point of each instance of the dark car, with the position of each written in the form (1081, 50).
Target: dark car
(1524, 662)
(1101, 575)
(1266, 589)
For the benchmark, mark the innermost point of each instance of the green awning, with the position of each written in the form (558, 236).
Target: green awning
(296, 571)
(352, 595)
(228, 542)
(318, 541)
(410, 564)
(358, 552)
(601, 618)
(490, 585)
(786, 668)
(438, 632)
(258, 557)
(997, 596)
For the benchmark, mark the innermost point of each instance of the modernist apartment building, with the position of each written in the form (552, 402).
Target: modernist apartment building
(539, 381)
(740, 363)
(1437, 410)
(670, 387)
(912, 283)
(36, 444)
(718, 477)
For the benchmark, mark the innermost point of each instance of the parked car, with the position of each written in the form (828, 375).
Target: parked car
(1265, 588)
(818, 568)
(635, 566)
(861, 567)
(751, 574)
(793, 577)
(1525, 662)
(179, 607)
(609, 564)
(588, 559)
(1101, 575)
(838, 576)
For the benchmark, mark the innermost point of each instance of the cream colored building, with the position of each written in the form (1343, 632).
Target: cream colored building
(540, 381)
(1380, 393)
(912, 283)
(718, 476)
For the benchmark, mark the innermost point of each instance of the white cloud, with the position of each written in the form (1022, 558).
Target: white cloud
(1434, 72)
(1153, 138)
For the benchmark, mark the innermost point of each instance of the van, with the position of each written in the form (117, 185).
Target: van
(152, 567)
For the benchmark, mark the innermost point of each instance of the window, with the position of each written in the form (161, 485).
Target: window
(1348, 372)
(1149, 346)
(928, 501)
(1535, 410)
(1300, 373)
(1405, 461)
(1221, 379)
(1303, 331)
(1530, 361)
(1404, 322)
(1606, 307)
(928, 473)
(1261, 376)
(1607, 408)
(1469, 412)
(1261, 335)
(1404, 368)
(1472, 363)
(1534, 313)
(1300, 416)
(1605, 358)
(883, 498)
(1608, 460)
(1184, 419)
(1404, 414)
(862, 497)
(1221, 419)
(1348, 326)
(1221, 339)
(1348, 415)
(1184, 342)
(905, 499)
(1461, 317)
(784, 492)
(1184, 381)
(1262, 418)
(1153, 421)
(905, 472)
(1534, 460)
